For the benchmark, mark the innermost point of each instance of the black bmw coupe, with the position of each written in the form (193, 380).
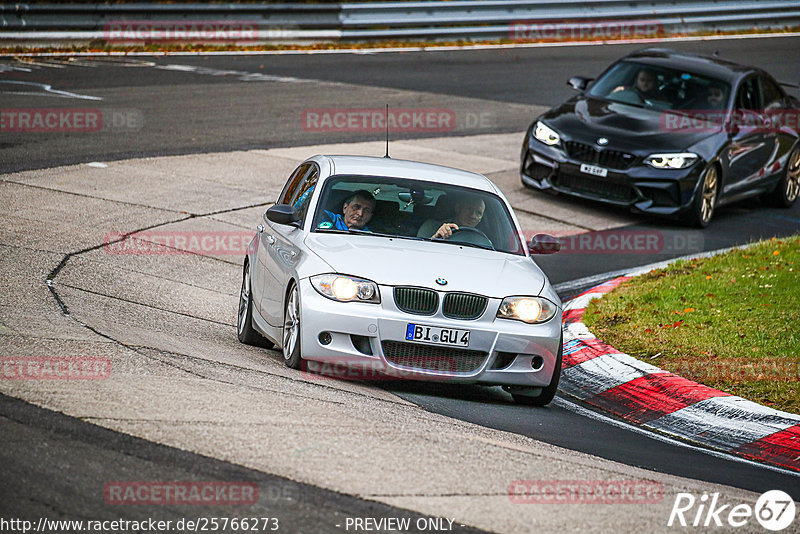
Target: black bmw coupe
(671, 134)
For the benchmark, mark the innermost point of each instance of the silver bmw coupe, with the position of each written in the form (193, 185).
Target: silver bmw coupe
(406, 270)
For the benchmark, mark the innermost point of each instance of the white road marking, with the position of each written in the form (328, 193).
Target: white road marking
(48, 91)
(242, 75)
(52, 63)
(12, 68)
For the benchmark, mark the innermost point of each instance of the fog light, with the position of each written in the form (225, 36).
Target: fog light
(537, 362)
(325, 338)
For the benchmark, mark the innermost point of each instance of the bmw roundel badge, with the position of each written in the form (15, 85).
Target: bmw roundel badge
(441, 281)
(602, 141)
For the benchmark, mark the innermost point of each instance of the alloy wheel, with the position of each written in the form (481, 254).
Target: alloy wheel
(244, 301)
(709, 195)
(291, 324)
(793, 176)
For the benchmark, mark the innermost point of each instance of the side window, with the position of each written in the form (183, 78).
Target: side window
(304, 191)
(773, 96)
(748, 96)
(292, 183)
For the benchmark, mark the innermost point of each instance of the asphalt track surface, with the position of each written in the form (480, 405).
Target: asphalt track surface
(196, 111)
(56, 477)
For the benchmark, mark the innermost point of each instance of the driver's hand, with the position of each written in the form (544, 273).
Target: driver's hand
(445, 231)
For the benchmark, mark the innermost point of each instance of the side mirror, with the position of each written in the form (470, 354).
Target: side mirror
(544, 244)
(283, 214)
(579, 83)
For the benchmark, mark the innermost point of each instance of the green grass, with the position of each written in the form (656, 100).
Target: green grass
(731, 322)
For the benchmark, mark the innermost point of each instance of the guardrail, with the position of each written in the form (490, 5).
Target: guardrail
(518, 20)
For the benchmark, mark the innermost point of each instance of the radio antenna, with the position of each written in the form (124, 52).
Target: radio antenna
(387, 131)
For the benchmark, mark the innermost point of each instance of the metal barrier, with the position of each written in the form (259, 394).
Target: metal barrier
(515, 20)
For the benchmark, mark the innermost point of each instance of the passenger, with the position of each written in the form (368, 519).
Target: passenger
(714, 97)
(357, 211)
(468, 213)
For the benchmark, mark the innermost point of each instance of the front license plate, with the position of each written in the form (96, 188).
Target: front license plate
(437, 336)
(596, 171)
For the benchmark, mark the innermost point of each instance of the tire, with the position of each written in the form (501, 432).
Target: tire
(788, 187)
(244, 318)
(549, 392)
(291, 329)
(702, 208)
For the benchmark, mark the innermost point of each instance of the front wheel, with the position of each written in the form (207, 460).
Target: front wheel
(705, 201)
(291, 329)
(789, 186)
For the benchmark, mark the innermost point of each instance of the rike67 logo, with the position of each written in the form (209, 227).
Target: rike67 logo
(774, 510)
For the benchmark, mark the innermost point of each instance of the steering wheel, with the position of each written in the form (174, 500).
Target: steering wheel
(470, 234)
(628, 96)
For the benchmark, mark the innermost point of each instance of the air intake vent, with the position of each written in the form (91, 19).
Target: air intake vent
(464, 306)
(433, 358)
(613, 159)
(416, 300)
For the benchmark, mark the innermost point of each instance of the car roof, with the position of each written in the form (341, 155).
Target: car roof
(399, 168)
(709, 66)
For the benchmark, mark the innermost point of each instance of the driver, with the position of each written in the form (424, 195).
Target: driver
(645, 84)
(357, 211)
(468, 213)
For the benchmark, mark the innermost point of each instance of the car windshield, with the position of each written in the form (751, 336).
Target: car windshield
(661, 88)
(411, 209)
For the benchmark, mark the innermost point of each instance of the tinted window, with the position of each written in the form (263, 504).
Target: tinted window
(773, 96)
(301, 197)
(292, 183)
(748, 96)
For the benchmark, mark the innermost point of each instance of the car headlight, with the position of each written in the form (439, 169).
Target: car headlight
(527, 309)
(671, 161)
(345, 288)
(545, 134)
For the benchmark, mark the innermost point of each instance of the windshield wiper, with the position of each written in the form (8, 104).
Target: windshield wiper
(450, 242)
(331, 231)
(356, 231)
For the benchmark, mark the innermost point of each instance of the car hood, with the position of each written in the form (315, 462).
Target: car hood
(399, 262)
(627, 127)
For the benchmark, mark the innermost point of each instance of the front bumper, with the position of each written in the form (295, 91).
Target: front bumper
(636, 186)
(371, 339)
